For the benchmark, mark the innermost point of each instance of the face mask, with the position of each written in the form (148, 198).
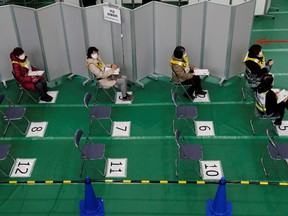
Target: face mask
(260, 54)
(94, 56)
(22, 57)
(184, 55)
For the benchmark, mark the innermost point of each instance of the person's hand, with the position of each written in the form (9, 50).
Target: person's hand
(34, 79)
(114, 67)
(270, 63)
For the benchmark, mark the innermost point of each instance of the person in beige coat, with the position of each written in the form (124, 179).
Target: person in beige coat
(184, 72)
(107, 74)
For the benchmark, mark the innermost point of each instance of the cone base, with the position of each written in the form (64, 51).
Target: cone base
(97, 211)
(211, 212)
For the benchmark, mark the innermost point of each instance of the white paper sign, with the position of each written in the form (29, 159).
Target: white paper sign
(202, 98)
(116, 167)
(121, 128)
(112, 14)
(211, 170)
(119, 97)
(37, 129)
(23, 167)
(204, 128)
(282, 130)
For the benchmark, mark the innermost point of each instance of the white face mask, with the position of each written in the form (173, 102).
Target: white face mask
(94, 56)
(260, 54)
(184, 55)
(22, 57)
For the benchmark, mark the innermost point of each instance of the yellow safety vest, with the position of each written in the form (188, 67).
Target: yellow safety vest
(23, 64)
(98, 64)
(257, 61)
(181, 63)
(262, 99)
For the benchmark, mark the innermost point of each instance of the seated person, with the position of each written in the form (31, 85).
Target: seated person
(255, 61)
(107, 75)
(181, 66)
(21, 66)
(268, 99)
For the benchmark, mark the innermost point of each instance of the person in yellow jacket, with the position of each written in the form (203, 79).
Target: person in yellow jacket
(184, 72)
(255, 61)
(107, 75)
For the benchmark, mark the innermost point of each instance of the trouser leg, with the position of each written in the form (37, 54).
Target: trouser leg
(42, 88)
(122, 85)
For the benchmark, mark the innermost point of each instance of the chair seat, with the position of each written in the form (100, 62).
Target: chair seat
(14, 113)
(190, 152)
(101, 112)
(282, 148)
(186, 112)
(264, 116)
(93, 151)
(4, 150)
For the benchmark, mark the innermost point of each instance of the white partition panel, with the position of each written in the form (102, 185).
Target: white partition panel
(75, 38)
(127, 44)
(117, 43)
(166, 30)
(144, 37)
(8, 41)
(192, 33)
(216, 38)
(99, 32)
(28, 34)
(241, 36)
(54, 41)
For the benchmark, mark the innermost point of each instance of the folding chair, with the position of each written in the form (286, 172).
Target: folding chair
(12, 114)
(176, 84)
(187, 152)
(261, 116)
(4, 151)
(252, 80)
(185, 112)
(22, 90)
(97, 113)
(276, 151)
(99, 86)
(89, 150)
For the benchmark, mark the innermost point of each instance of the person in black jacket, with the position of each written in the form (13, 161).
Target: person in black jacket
(268, 99)
(255, 61)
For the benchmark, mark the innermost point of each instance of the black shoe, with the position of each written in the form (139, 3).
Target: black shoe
(49, 97)
(277, 122)
(128, 97)
(201, 92)
(46, 98)
(192, 97)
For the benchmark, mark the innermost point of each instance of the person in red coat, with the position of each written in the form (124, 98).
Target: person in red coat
(21, 66)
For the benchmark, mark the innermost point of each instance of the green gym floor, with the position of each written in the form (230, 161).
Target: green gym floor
(151, 149)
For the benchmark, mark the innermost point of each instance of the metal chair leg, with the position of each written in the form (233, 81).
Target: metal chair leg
(176, 167)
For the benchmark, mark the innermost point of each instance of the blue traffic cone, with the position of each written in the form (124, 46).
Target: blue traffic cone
(219, 206)
(91, 206)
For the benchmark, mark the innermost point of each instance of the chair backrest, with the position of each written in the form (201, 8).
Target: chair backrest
(2, 97)
(87, 99)
(174, 98)
(4, 151)
(252, 79)
(272, 141)
(177, 137)
(176, 75)
(77, 138)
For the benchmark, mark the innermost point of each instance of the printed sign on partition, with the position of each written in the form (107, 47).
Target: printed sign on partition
(211, 170)
(23, 167)
(116, 167)
(204, 128)
(37, 129)
(202, 98)
(282, 130)
(112, 14)
(121, 128)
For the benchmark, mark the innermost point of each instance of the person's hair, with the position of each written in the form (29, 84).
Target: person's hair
(18, 51)
(266, 83)
(254, 50)
(178, 52)
(91, 50)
